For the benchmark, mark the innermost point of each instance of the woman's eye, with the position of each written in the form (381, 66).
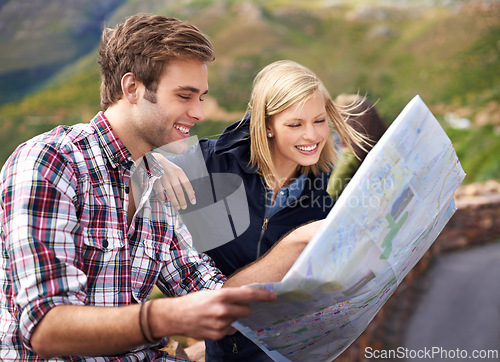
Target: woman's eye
(320, 121)
(294, 125)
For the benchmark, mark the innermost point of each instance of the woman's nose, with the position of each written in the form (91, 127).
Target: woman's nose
(310, 133)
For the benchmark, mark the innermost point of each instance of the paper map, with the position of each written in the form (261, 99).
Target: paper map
(387, 217)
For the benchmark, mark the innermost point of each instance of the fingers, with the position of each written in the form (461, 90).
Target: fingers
(247, 295)
(230, 304)
(216, 334)
(209, 314)
(174, 183)
(174, 193)
(231, 331)
(173, 190)
(188, 188)
(160, 190)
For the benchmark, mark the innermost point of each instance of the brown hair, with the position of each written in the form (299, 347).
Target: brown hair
(143, 45)
(364, 118)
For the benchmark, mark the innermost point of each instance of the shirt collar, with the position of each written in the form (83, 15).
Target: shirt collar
(295, 188)
(114, 149)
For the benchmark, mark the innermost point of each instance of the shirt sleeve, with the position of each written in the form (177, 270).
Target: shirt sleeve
(187, 270)
(40, 227)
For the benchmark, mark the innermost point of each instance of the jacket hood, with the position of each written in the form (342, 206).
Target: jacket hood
(236, 134)
(235, 140)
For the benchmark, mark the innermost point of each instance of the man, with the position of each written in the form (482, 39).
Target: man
(81, 253)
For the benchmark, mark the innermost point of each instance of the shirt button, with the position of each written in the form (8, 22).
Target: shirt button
(282, 192)
(127, 190)
(105, 243)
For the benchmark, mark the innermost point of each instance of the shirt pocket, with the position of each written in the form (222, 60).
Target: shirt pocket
(158, 251)
(147, 264)
(101, 207)
(103, 262)
(105, 240)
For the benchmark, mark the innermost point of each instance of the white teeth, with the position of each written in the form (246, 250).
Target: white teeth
(308, 148)
(182, 129)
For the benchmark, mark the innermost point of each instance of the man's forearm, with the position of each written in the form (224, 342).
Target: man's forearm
(74, 330)
(87, 331)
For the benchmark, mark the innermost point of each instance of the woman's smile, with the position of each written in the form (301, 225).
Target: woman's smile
(308, 149)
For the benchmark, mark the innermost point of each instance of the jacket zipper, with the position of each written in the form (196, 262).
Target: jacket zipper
(264, 225)
(266, 221)
(263, 229)
(235, 346)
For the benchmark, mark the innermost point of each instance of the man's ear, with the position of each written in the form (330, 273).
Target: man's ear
(130, 87)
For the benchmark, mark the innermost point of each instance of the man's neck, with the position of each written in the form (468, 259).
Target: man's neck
(121, 123)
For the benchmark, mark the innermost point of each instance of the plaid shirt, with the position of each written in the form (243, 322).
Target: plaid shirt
(64, 236)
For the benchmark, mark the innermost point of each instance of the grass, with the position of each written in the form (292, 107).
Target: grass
(478, 151)
(447, 57)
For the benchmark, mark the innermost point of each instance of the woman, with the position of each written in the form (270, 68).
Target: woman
(283, 151)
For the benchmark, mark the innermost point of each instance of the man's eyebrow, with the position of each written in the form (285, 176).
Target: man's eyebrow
(191, 89)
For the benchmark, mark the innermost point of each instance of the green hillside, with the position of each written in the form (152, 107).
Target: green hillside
(447, 54)
(39, 37)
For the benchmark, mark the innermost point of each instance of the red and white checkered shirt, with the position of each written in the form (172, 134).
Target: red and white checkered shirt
(64, 236)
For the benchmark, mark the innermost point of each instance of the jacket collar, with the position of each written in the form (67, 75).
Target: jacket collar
(235, 140)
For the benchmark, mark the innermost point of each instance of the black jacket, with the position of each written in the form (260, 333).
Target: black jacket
(230, 153)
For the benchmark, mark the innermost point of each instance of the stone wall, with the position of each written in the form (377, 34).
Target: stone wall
(476, 221)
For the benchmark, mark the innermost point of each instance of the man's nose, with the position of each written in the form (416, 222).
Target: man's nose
(196, 112)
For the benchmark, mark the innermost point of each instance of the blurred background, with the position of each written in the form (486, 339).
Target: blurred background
(447, 51)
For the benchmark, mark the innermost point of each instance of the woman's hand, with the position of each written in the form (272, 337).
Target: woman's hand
(174, 183)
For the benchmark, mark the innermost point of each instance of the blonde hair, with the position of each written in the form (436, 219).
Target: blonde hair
(277, 87)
